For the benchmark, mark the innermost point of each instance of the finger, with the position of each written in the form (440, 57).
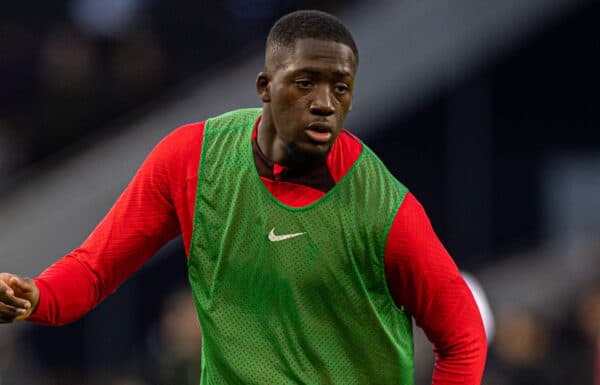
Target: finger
(25, 285)
(17, 292)
(7, 317)
(23, 316)
(10, 299)
(5, 289)
(17, 288)
(11, 311)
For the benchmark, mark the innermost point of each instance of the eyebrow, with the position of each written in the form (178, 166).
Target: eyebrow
(316, 72)
(343, 73)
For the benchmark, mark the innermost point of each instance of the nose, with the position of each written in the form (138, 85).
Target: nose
(322, 102)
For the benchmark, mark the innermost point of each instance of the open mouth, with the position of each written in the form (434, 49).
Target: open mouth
(319, 132)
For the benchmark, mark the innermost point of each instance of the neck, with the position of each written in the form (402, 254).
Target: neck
(280, 152)
(266, 139)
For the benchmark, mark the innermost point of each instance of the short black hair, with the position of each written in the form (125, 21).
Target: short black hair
(309, 24)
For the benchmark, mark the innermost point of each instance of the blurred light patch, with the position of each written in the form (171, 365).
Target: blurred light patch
(255, 9)
(106, 17)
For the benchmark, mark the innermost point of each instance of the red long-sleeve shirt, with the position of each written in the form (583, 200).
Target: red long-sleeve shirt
(158, 205)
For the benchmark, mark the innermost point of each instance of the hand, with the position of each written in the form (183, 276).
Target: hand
(18, 297)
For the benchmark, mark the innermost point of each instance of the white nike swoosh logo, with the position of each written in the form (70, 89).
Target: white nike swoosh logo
(277, 238)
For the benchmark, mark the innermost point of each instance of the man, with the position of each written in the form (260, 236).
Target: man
(306, 257)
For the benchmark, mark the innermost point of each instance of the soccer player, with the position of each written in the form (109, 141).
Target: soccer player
(306, 257)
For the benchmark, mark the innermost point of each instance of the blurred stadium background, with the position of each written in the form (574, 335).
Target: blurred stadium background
(488, 111)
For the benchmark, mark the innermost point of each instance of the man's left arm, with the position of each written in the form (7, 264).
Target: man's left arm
(424, 279)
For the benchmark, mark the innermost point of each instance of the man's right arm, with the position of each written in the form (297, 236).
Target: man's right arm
(141, 221)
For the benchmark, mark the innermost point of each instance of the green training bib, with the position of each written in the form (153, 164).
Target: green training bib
(293, 295)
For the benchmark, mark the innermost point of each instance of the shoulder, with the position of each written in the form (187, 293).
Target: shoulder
(412, 209)
(239, 118)
(344, 153)
(376, 172)
(185, 135)
(176, 156)
(349, 144)
(180, 143)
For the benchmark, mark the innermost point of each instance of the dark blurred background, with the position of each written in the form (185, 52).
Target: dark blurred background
(487, 112)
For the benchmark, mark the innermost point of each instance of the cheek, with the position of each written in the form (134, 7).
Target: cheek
(290, 102)
(280, 97)
(346, 101)
(344, 107)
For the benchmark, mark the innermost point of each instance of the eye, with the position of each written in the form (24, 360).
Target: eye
(341, 88)
(304, 84)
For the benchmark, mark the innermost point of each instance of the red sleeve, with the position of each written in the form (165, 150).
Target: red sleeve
(152, 210)
(424, 279)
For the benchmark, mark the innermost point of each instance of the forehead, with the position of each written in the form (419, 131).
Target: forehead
(319, 55)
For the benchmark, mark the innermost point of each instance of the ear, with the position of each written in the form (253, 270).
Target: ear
(262, 87)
